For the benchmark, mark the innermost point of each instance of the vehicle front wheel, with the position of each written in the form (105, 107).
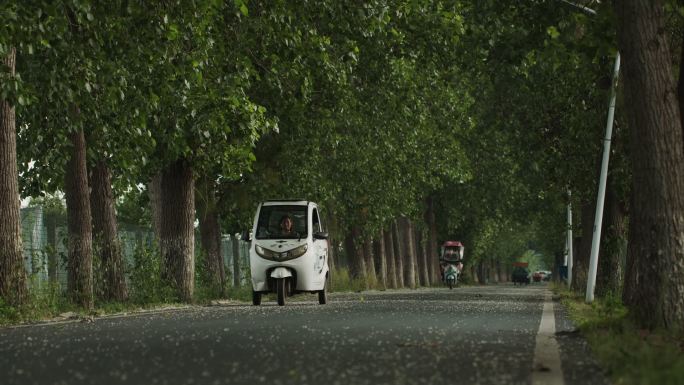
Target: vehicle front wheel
(323, 296)
(256, 298)
(280, 289)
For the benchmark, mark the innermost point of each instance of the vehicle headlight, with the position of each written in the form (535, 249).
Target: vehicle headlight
(298, 251)
(281, 256)
(265, 253)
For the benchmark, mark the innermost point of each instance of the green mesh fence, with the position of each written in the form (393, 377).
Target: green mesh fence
(44, 239)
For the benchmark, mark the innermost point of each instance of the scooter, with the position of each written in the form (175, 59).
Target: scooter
(451, 262)
(451, 274)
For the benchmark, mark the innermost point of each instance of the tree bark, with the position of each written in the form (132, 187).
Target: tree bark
(432, 246)
(580, 266)
(154, 192)
(409, 253)
(680, 87)
(398, 254)
(371, 276)
(357, 264)
(481, 272)
(418, 239)
(421, 243)
(80, 236)
(391, 263)
(416, 252)
(656, 225)
(210, 234)
(105, 236)
(474, 273)
(177, 243)
(493, 272)
(613, 245)
(381, 258)
(235, 243)
(13, 288)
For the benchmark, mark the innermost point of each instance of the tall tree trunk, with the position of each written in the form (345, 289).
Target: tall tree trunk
(481, 272)
(154, 192)
(398, 253)
(680, 86)
(53, 262)
(423, 258)
(381, 259)
(580, 266)
(391, 263)
(409, 253)
(12, 273)
(474, 272)
(235, 243)
(432, 246)
(494, 272)
(418, 240)
(357, 264)
(105, 234)
(177, 228)
(210, 233)
(613, 245)
(371, 277)
(656, 224)
(80, 238)
(557, 263)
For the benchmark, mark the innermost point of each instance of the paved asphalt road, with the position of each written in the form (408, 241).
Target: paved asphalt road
(469, 335)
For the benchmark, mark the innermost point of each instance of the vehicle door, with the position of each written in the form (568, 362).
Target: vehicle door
(320, 246)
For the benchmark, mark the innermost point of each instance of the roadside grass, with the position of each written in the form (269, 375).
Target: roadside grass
(51, 304)
(342, 281)
(147, 291)
(630, 355)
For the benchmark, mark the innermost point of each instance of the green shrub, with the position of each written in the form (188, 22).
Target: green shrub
(341, 280)
(146, 285)
(8, 314)
(630, 355)
(240, 293)
(205, 287)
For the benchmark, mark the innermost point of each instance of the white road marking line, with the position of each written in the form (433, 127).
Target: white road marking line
(547, 363)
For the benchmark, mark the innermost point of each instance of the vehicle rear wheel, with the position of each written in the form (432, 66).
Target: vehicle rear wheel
(256, 298)
(280, 289)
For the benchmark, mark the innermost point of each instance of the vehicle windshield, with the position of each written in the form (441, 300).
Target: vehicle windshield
(452, 252)
(282, 222)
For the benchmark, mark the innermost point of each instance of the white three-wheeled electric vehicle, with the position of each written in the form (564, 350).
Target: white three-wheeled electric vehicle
(289, 250)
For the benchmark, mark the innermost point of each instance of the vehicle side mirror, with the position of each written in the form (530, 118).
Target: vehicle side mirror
(320, 235)
(245, 236)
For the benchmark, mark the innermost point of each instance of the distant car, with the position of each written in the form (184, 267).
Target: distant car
(520, 275)
(538, 276)
(547, 276)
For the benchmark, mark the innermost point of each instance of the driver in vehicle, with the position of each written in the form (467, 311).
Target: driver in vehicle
(287, 227)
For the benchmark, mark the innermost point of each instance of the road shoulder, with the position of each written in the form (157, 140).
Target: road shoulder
(577, 360)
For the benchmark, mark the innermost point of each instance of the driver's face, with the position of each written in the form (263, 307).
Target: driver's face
(287, 224)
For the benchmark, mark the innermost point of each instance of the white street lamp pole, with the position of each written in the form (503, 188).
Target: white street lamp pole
(598, 219)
